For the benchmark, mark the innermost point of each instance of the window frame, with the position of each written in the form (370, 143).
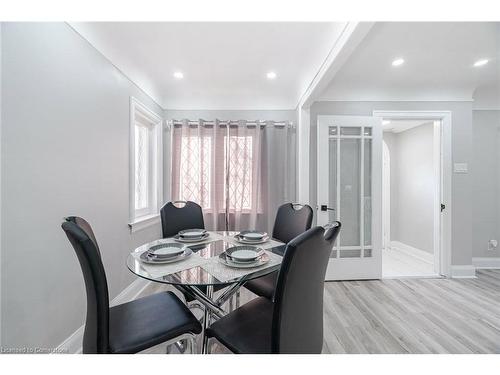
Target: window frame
(140, 113)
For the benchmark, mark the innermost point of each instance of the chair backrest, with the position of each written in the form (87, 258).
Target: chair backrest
(298, 300)
(292, 220)
(175, 219)
(81, 236)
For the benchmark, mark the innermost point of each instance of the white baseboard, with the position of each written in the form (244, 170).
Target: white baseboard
(73, 344)
(486, 263)
(463, 272)
(413, 251)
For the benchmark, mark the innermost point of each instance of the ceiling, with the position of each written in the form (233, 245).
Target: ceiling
(224, 64)
(439, 60)
(401, 125)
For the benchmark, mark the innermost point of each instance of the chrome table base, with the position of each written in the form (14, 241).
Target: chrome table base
(213, 308)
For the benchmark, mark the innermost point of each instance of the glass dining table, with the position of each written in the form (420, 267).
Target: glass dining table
(199, 274)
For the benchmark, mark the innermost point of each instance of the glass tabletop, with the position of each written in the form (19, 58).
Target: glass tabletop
(197, 276)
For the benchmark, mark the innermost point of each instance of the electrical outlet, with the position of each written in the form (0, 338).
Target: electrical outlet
(492, 245)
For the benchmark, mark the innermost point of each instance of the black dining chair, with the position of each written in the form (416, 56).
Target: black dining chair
(189, 215)
(293, 322)
(133, 326)
(174, 219)
(291, 220)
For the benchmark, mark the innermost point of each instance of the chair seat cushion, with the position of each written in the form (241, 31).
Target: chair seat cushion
(280, 250)
(263, 286)
(149, 321)
(246, 329)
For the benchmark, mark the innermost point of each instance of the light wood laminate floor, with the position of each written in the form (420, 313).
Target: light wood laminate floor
(408, 315)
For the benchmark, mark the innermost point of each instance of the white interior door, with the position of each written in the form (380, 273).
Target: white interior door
(350, 191)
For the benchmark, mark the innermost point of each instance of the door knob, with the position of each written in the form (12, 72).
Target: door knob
(324, 207)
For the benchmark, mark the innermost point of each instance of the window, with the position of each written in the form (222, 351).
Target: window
(146, 154)
(142, 161)
(240, 172)
(214, 168)
(196, 170)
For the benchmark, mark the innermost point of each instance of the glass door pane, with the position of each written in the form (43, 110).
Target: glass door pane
(332, 183)
(367, 194)
(350, 185)
(332, 180)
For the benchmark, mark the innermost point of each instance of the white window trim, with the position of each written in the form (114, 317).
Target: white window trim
(143, 222)
(152, 217)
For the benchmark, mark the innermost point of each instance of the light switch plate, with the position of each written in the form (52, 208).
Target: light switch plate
(460, 168)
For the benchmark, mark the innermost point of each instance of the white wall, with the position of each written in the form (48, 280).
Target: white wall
(485, 171)
(64, 151)
(412, 186)
(461, 113)
(487, 97)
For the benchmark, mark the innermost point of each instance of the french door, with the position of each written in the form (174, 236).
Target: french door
(350, 191)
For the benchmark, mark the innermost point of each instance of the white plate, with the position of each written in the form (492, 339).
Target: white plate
(250, 242)
(244, 254)
(145, 258)
(191, 233)
(166, 250)
(259, 262)
(191, 240)
(252, 235)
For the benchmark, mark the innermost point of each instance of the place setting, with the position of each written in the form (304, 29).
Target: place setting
(172, 250)
(192, 235)
(244, 257)
(251, 237)
(238, 261)
(164, 257)
(164, 253)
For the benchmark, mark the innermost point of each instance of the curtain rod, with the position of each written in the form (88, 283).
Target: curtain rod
(261, 123)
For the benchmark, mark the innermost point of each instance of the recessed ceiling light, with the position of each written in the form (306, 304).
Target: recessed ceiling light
(386, 122)
(398, 62)
(271, 75)
(481, 62)
(179, 75)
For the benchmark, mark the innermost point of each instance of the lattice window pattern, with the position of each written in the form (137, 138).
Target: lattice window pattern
(141, 167)
(240, 171)
(195, 169)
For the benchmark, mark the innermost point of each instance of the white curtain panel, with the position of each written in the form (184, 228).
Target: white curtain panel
(239, 172)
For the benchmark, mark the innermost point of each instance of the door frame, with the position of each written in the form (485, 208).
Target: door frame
(386, 195)
(442, 220)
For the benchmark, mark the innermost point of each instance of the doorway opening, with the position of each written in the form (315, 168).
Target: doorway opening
(411, 197)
